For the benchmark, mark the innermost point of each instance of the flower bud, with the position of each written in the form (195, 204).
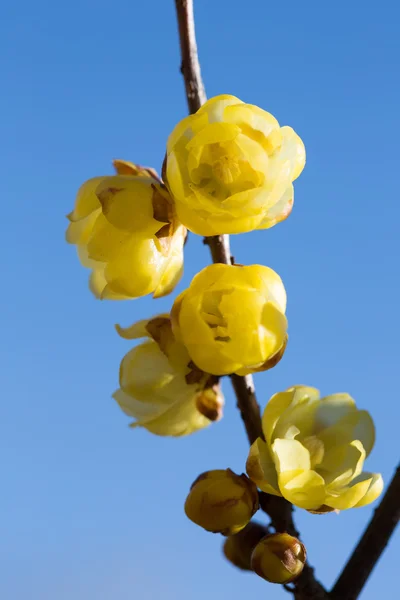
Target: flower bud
(278, 558)
(238, 548)
(221, 501)
(210, 401)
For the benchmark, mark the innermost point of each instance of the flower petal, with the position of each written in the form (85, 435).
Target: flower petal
(279, 211)
(173, 268)
(350, 496)
(99, 287)
(199, 340)
(280, 402)
(305, 489)
(142, 253)
(261, 469)
(127, 202)
(175, 180)
(365, 431)
(290, 455)
(144, 369)
(106, 241)
(215, 107)
(299, 414)
(182, 418)
(142, 410)
(341, 464)
(374, 490)
(354, 425)
(291, 154)
(181, 130)
(78, 232)
(256, 123)
(137, 330)
(332, 408)
(86, 200)
(215, 133)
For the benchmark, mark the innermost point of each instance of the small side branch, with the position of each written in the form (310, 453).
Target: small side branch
(371, 545)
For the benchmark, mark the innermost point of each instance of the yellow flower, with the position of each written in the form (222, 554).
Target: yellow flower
(232, 319)
(314, 451)
(126, 231)
(239, 547)
(221, 501)
(279, 558)
(160, 387)
(230, 168)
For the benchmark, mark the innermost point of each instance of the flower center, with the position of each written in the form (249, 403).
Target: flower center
(212, 315)
(221, 170)
(226, 169)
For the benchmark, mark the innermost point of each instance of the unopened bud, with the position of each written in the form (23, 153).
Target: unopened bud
(278, 558)
(210, 401)
(221, 501)
(238, 548)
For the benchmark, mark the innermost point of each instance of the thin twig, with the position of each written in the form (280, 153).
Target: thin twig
(279, 510)
(190, 66)
(219, 248)
(248, 405)
(371, 545)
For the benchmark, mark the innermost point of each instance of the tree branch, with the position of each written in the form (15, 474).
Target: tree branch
(219, 248)
(306, 587)
(190, 66)
(248, 405)
(371, 545)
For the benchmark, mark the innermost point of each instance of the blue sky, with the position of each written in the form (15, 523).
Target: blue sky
(90, 508)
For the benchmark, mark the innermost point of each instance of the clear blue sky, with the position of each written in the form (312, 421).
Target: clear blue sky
(90, 508)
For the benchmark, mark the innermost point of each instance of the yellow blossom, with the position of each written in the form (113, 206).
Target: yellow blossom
(126, 230)
(279, 558)
(230, 168)
(314, 451)
(160, 387)
(232, 319)
(221, 501)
